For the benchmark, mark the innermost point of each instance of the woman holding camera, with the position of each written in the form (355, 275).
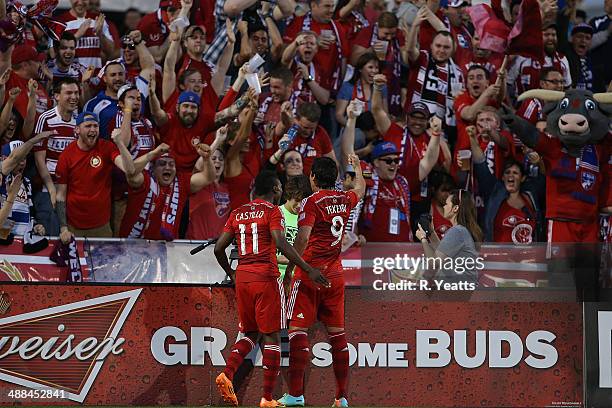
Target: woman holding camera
(460, 243)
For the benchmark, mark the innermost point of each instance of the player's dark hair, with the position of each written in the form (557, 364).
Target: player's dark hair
(467, 214)
(185, 74)
(545, 71)
(264, 183)
(297, 188)
(387, 20)
(362, 62)
(325, 172)
(439, 178)
(365, 121)
(57, 85)
(512, 162)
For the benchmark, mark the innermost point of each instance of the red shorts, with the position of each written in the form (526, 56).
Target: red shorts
(261, 306)
(309, 302)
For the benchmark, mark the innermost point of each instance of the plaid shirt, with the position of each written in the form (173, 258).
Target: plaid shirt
(216, 48)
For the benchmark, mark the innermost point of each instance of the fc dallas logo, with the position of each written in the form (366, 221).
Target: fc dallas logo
(64, 347)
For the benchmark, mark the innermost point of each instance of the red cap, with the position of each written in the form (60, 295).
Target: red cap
(23, 53)
(176, 4)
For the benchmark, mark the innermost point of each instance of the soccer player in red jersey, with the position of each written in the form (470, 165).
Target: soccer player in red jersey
(320, 229)
(258, 227)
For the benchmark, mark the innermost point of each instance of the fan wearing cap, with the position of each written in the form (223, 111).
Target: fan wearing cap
(179, 129)
(92, 34)
(62, 121)
(155, 28)
(524, 73)
(25, 63)
(83, 173)
(419, 149)
(157, 197)
(580, 61)
(13, 163)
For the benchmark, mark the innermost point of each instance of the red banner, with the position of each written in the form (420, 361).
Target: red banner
(129, 345)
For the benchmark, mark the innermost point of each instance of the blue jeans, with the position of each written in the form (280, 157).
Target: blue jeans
(45, 213)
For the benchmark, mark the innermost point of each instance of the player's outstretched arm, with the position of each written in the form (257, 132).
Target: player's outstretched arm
(224, 240)
(295, 258)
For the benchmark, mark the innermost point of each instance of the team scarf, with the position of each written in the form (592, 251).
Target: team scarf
(169, 212)
(449, 78)
(584, 172)
(394, 89)
(407, 139)
(148, 207)
(359, 94)
(401, 189)
(336, 75)
(362, 22)
(68, 255)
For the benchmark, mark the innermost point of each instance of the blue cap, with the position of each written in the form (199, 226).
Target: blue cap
(188, 96)
(384, 149)
(86, 117)
(9, 147)
(582, 28)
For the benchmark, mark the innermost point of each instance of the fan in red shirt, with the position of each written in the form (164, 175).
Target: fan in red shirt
(179, 128)
(333, 44)
(312, 140)
(321, 223)
(157, 197)
(259, 229)
(155, 28)
(84, 181)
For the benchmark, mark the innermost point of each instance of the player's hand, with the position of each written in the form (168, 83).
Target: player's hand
(5, 77)
(380, 80)
(88, 74)
(318, 278)
(136, 36)
(420, 233)
(82, 28)
(65, 235)
(243, 27)
(221, 134)
(435, 124)
(204, 151)
(264, 79)
(471, 131)
(302, 70)
(99, 24)
(32, 88)
(229, 30)
(162, 149)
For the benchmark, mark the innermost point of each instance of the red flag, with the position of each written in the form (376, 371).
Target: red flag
(525, 38)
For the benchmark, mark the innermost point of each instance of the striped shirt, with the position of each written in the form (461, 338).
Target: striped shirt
(142, 139)
(54, 145)
(20, 213)
(106, 108)
(88, 49)
(75, 70)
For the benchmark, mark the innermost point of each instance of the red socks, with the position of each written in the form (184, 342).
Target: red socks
(271, 367)
(237, 355)
(299, 352)
(340, 357)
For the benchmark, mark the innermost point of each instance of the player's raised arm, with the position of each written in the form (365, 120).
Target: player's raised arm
(360, 185)
(295, 258)
(224, 240)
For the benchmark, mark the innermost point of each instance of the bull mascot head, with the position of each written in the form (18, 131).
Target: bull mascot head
(576, 117)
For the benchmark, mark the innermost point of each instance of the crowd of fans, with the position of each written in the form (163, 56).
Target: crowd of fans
(156, 126)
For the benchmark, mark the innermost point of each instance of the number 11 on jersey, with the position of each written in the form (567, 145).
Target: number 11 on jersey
(242, 228)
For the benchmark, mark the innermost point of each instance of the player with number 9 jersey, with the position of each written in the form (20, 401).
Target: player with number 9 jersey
(327, 212)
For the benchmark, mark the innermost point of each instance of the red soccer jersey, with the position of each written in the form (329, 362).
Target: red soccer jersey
(318, 145)
(531, 110)
(252, 225)
(143, 214)
(329, 60)
(574, 186)
(241, 185)
(154, 28)
(207, 111)
(182, 141)
(513, 225)
(440, 224)
(412, 150)
(54, 145)
(88, 177)
(327, 212)
(208, 211)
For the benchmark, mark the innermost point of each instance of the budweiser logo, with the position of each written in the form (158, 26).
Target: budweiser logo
(64, 347)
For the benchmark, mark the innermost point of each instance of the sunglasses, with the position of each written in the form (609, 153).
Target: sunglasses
(391, 161)
(128, 46)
